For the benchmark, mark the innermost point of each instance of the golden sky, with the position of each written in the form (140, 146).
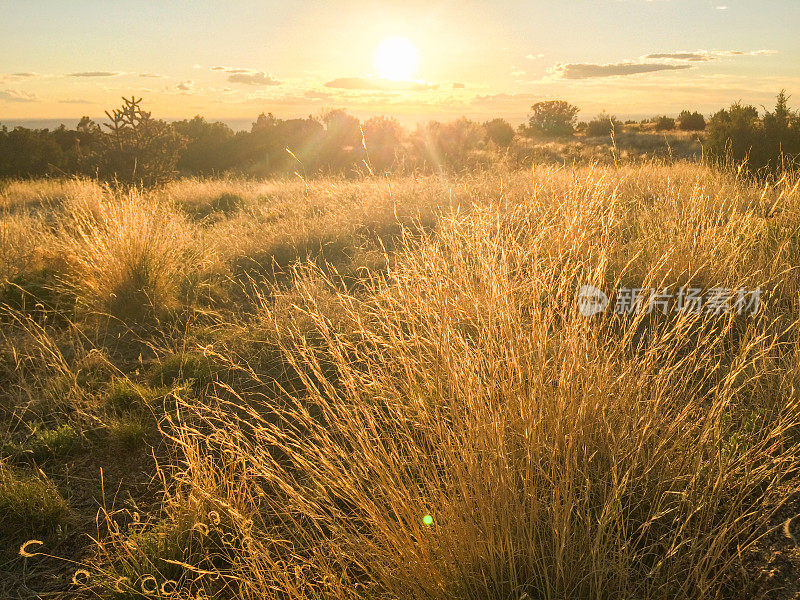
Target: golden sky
(412, 59)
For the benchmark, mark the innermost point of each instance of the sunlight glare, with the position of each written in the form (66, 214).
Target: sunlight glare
(396, 58)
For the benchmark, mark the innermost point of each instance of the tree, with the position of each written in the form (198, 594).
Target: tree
(733, 136)
(342, 146)
(554, 118)
(264, 123)
(782, 134)
(383, 139)
(206, 146)
(499, 132)
(263, 150)
(665, 123)
(29, 153)
(448, 145)
(137, 149)
(342, 130)
(691, 121)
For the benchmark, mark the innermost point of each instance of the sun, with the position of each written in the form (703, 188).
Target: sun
(396, 58)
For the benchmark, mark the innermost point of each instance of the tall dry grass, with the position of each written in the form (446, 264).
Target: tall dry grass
(557, 456)
(44, 194)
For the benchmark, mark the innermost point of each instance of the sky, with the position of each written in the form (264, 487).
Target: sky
(228, 59)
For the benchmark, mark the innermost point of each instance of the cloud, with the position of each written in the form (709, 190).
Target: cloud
(384, 85)
(458, 86)
(705, 55)
(246, 76)
(534, 56)
(95, 74)
(259, 78)
(74, 101)
(17, 76)
(688, 56)
(233, 70)
(588, 71)
(15, 96)
(186, 86)
(721, 7)
(154, 75)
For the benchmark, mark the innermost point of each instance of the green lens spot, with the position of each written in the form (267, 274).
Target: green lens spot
(427, 519)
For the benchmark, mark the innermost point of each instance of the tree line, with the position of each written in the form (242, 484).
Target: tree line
(133, 147)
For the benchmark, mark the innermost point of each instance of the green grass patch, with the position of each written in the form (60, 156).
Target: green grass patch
(30, 504)
(59, 442)
(191, 367)
(127, 432)
(123, 395)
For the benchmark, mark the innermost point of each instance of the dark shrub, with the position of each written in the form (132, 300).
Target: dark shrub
(499, 132)
(691, 121)
(383, 138)
(736, 136)
(206, 146)
(603, 124)
(450, 145)
(664, 123)
(554, 118)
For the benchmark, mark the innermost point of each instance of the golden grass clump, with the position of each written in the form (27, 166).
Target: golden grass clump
(129, 256)
(24, 242)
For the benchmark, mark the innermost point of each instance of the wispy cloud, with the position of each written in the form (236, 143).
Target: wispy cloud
(74, 101)
(688, 56)
(260, 78)
(154, 75)
(534, 56)
(588, 70)
(233, 70)
(650, 63)
(705, 55)
(186, 86)
(246, 76)
(18, 76)
(94, 74)
(386, 85)
(17, 96)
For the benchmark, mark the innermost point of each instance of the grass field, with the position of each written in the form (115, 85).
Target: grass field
(383, 388)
